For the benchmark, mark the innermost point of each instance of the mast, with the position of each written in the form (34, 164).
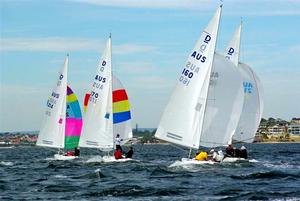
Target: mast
(111, 91)
(211, 69)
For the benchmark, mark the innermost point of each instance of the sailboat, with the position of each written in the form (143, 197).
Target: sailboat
(63, 120)
(107, 110)
(253, 98)
(201, 110)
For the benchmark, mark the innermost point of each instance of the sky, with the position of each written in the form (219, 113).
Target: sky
(151, 41)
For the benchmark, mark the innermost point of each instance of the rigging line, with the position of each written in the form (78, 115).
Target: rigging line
(242, 141)
(178, 147)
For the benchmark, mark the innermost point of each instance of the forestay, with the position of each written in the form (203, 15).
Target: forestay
(182, 120)
(97, 124)
(53, 128)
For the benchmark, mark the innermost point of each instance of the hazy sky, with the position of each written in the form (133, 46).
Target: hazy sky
(151, 41)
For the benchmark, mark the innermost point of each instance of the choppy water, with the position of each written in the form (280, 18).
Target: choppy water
(29, 173)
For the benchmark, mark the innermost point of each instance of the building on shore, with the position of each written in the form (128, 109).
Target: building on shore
(294, 129)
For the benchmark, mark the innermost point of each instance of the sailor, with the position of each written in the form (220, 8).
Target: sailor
(118, 154)
(243, 152)
(76, 151)
(217, 156)
(237, 153)
(202, 156)
(229, 150)
(70, 153)
(118, 142)
(129, 153)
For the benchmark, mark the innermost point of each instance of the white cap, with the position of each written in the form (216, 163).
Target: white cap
(242, 148)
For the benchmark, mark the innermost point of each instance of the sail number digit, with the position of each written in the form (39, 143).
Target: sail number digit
(188, 72)
(94, 97)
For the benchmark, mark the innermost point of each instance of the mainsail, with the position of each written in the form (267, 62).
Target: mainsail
(97, 125)
(53, 128)
(253, 100)
(224, 104)
(107, 109)
(183, 117)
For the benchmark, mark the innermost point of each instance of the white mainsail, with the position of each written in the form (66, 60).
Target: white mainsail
(182, 120)
(52, 133)
(253, 100)
(232, 52)
(224, 104)
(97, 125)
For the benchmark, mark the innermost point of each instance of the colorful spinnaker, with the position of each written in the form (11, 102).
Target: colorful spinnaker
(73, 120)
(121, 111)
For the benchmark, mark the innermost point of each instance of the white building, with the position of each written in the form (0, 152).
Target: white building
(276, 130)
(294, 129)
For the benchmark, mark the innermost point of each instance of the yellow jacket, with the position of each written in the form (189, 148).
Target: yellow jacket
(201, 156)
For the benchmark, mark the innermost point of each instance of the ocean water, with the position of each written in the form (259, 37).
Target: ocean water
(30, 173)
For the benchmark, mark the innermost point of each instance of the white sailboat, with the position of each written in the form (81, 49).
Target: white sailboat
(253, 98)
(62, 123)
(107, 113)
(201, 109)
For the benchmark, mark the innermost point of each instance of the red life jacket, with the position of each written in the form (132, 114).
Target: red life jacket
(118, 154)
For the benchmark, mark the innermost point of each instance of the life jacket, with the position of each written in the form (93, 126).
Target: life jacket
(201, 156)
(118, 155)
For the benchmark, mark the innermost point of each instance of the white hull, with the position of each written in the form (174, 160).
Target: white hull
(60, 157)
(111, 159)
(233, 159)
(188, 162)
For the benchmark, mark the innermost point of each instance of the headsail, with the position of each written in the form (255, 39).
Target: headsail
(98, 116)
(182, 120)
(121, 111)
(53, 128)
(224, 104)
(73, 120)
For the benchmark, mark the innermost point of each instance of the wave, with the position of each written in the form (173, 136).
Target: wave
(6, 163)
(266, 175)
(134, 191)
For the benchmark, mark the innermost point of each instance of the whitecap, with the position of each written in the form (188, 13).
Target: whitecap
(6, 163)
(60, 176)
(95, 159)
